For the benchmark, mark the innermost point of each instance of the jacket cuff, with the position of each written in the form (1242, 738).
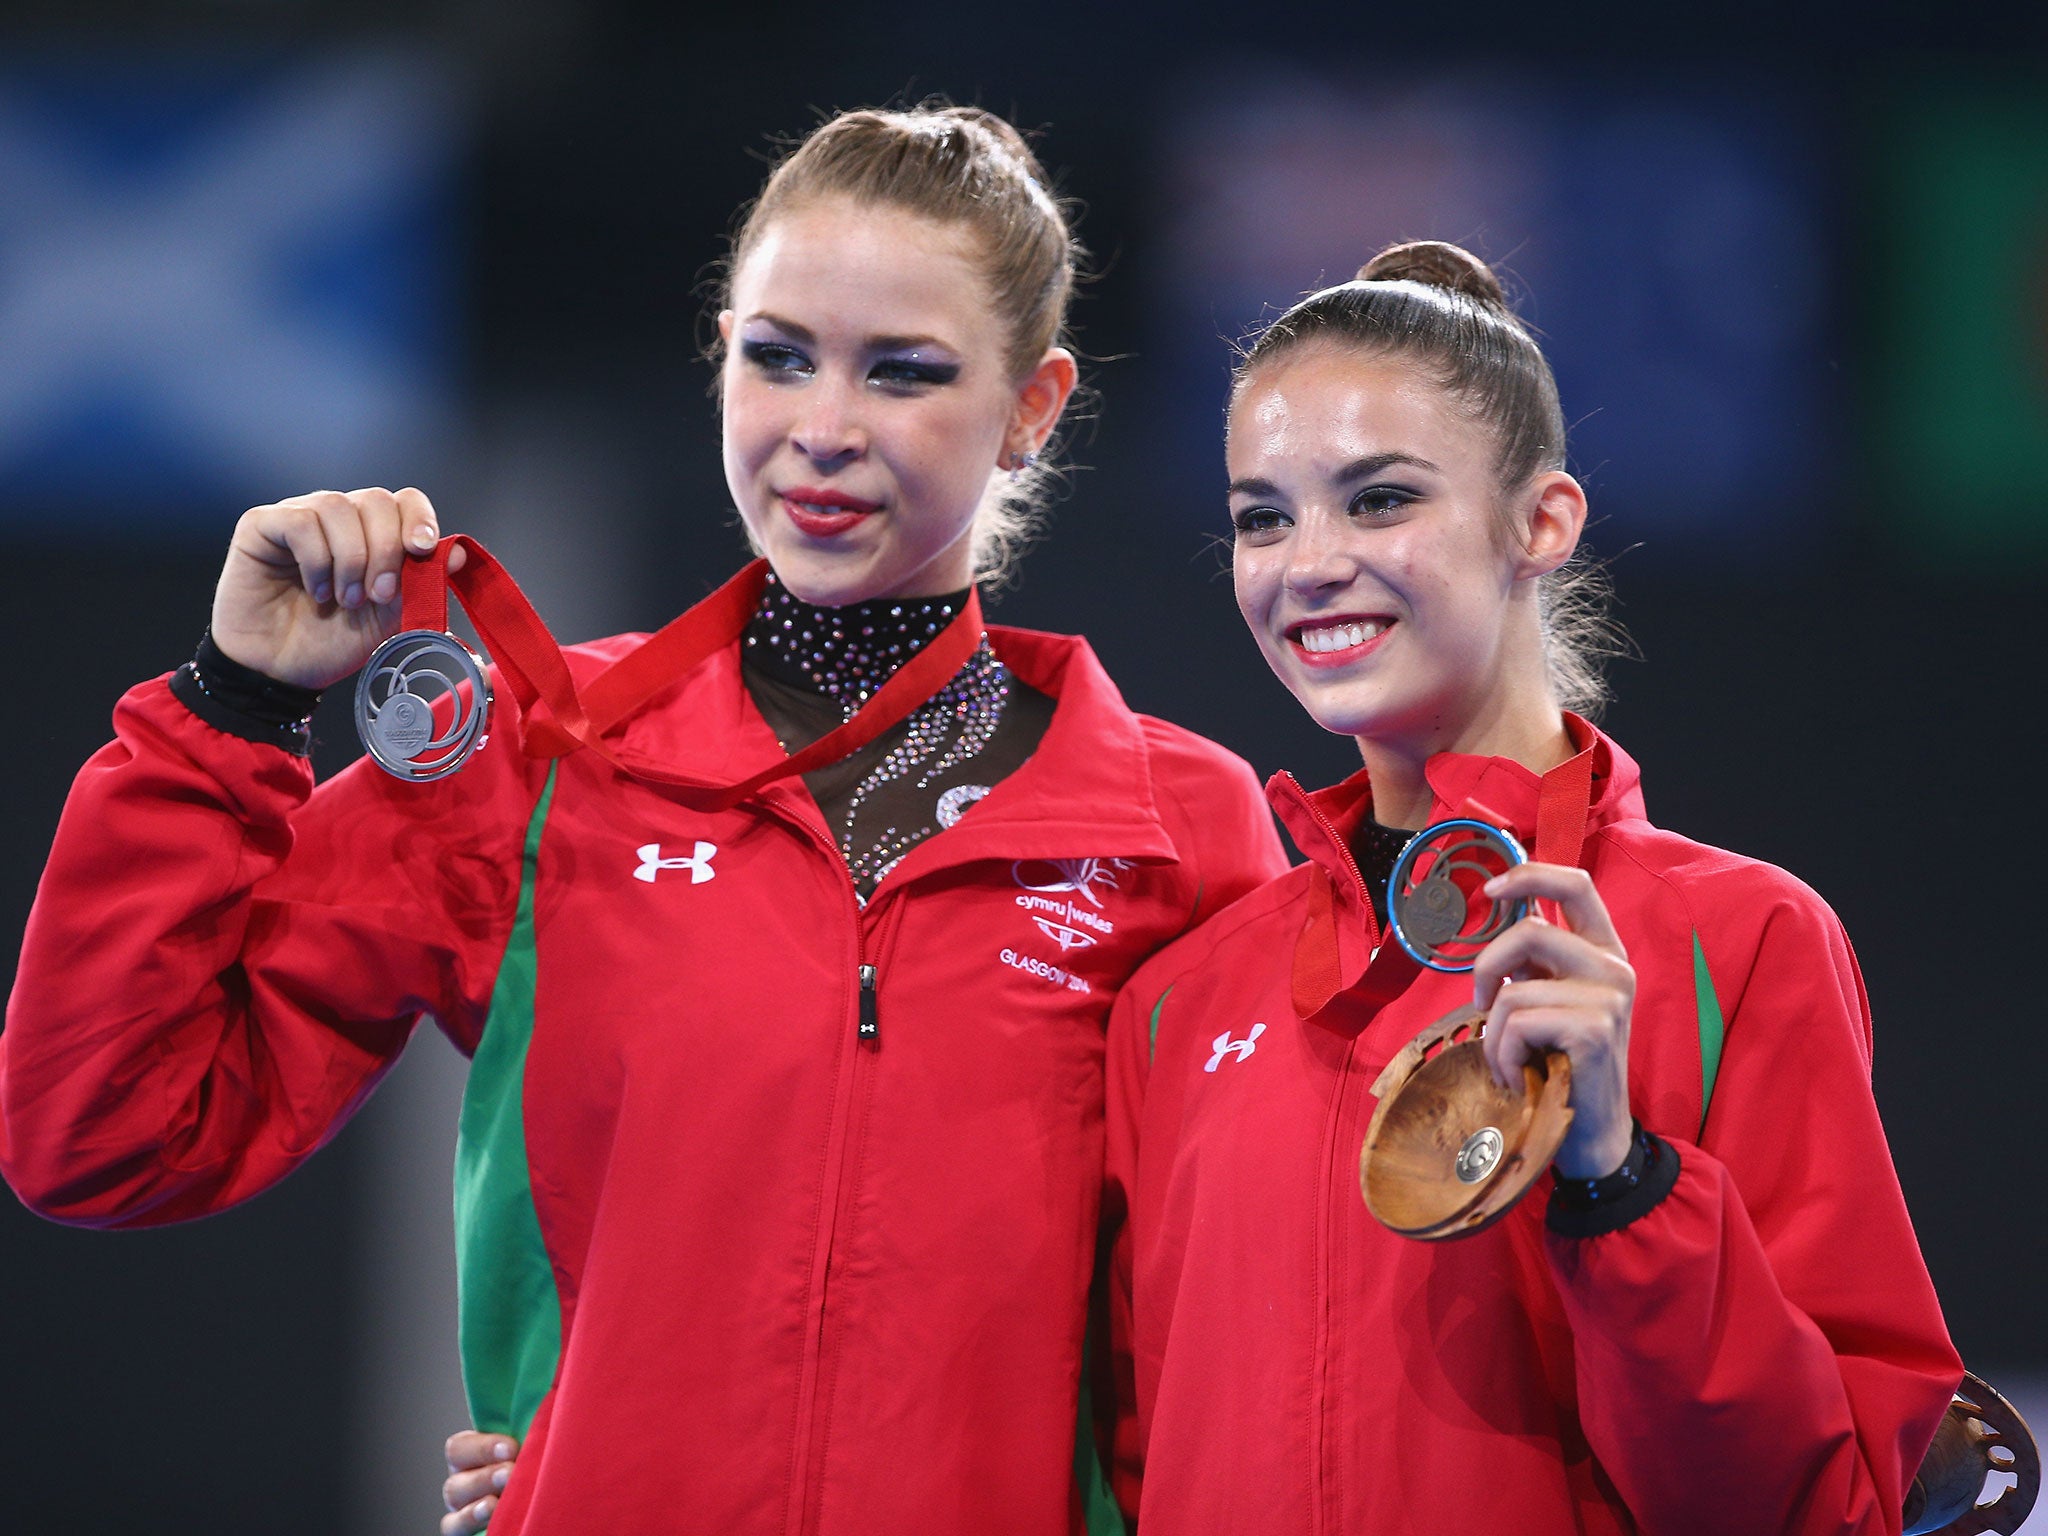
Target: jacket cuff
(1595, 1207)
(240, 701)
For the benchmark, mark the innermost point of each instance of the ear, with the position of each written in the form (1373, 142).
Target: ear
(725, 327)
(1040, 399)
(1549, 520)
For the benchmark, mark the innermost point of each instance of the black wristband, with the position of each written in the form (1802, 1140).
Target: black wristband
(1593, 1207)
(244, 702)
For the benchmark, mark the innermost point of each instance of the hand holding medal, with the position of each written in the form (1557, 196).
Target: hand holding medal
(311, 583)
(1535, 1072)
(1567, 988)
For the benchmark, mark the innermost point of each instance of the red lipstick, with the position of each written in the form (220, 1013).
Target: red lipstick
(1373, 630)
(822, 513)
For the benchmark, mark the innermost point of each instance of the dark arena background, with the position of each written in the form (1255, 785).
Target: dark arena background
(1791, 263)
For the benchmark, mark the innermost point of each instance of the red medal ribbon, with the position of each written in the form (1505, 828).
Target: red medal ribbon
(1564, 806)
(558, 718)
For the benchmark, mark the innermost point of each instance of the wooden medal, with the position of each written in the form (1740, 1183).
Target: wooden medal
(1450, 1151)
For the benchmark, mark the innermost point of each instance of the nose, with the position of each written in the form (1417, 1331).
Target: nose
(828, 429)
(1319, 556)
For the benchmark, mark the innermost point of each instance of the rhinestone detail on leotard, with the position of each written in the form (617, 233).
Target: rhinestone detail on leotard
(848, 653)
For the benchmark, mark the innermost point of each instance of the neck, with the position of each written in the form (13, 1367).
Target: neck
(1533, 735)
(844, 653)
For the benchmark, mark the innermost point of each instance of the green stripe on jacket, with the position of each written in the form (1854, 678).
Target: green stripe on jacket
(1712, 1026)
(511, 1314)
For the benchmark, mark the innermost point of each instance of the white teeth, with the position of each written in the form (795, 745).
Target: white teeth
(1339, 637)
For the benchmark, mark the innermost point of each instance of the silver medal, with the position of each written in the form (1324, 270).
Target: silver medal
(407, 679)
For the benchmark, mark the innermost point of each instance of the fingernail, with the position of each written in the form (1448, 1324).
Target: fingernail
(484, 1506)
(504, 1450)
(352, 595)
(501, 1477)
(323, 591)
(385, 587)
(423, 538)
(1492, 887)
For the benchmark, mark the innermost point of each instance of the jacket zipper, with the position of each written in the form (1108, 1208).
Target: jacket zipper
(804, 1454)
(869, 1030)
(1333, 1181)
(1329, 830)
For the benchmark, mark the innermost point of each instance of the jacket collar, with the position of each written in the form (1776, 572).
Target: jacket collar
(1340, 942)
(1086, 792)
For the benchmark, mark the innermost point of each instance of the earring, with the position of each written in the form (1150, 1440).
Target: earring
(1018, 463)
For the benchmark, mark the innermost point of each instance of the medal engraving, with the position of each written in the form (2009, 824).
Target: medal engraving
(1480, 1155)
(404, 725)
(423, 705)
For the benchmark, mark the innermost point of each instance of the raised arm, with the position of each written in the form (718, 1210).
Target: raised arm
(220, 963)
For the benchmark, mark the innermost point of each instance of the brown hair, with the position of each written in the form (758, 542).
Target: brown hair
(954, 165)
(1440, 307)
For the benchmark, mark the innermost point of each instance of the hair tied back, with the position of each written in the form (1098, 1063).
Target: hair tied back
(1436, 264)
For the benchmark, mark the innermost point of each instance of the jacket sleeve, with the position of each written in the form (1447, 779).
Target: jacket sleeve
(221, 962)
(1764, 1350)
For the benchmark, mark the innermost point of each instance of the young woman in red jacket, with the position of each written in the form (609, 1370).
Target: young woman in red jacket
(783, 1137)
(1713, 1315)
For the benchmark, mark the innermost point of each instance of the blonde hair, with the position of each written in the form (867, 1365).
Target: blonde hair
(956, 165)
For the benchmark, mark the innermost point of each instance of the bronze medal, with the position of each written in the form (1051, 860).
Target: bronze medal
(1438, 913)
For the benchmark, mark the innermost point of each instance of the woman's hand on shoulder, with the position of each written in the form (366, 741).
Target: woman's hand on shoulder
(1545, 987)
(479, 1467)
(311, 584)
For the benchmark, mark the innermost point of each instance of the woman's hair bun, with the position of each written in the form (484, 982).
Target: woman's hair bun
(998, 128)
(1438, 264)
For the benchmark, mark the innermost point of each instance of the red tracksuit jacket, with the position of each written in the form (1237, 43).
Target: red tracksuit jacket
(727, 1267)
(1761, 1352)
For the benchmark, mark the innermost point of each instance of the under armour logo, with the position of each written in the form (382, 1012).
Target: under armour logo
(698, 863)
(1225, 1046)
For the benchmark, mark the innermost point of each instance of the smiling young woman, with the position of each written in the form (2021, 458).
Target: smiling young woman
(778, 1168)
(1718, 1319)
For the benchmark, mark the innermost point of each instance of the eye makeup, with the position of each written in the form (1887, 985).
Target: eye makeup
(913, 369)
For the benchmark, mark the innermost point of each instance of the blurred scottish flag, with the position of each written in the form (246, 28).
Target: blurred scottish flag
(221, 280)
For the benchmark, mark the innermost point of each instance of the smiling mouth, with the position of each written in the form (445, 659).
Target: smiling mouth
(1332, 642)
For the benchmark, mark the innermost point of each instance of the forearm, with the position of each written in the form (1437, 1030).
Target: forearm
(1715, 1401)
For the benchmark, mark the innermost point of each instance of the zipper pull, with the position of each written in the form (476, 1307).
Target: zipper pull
(870, 1022)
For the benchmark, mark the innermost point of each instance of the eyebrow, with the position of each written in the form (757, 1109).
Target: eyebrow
(1358, 469)
(873, 344)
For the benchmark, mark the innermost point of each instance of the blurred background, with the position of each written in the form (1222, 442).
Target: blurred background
(1791, 263)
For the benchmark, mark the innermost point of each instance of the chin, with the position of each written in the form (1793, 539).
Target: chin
(830, 580)
(807, 584)
(1329, 705)
(1343, 715)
